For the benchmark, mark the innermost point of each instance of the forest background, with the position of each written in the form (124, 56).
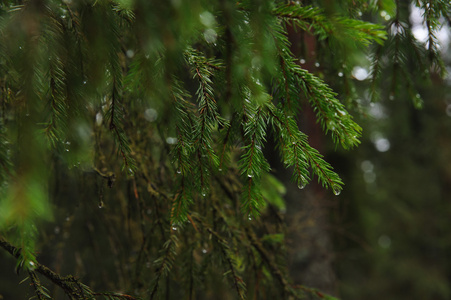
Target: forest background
(225, 150)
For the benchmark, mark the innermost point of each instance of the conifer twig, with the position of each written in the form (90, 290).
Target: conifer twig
(71, 286)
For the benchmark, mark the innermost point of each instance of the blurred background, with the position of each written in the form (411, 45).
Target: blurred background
(386, 236)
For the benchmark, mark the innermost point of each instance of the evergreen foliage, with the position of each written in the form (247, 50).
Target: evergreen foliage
(171, 105)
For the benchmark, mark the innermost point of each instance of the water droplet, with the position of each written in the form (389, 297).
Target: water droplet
(101, 204)
(67, 150)
(360, 73)
(317, 64)
(171, 140)
(204, 251)
(99, 119)
(67, 219)
(302, 61)
(249, 218)
(382, 144)
(207, 19)
(331, 125)
(174, 228)
(384, 241)
(250, 175)
(342, 112)
(210, 35)
(302, 184)
(336, 189)
(130, 53)
(84, 82)
(367, 166)
(179, 172)
(150, 114)
(340, 74)
(448, 110)
(220, 170)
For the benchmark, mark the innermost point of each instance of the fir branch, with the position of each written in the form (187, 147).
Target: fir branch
(238, 282)
(309, 18)
(184, 112)
(316, 293)
(375, 73)
(289, 144)
(71, 286)
(252, 162)
(401, 48)
(165, 262)
(433, 10)
(53, 40)
(38, 288)
(116, 118)
(181, 204)
(115, 113)
(228, 257)
(267, 258)
(227, 137)
(207, 119)
(330, 112)
(6, 165)
(115, 296)
(297, 152)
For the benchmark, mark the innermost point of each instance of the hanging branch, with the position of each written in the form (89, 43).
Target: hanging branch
(252, 162)
(330, 112)
(202, 70)
(116, 111)
(184, 112)
(238, 282)
(165, 262)
(115, 115)
(297, 152)
(314, 20)
(433, 10)
(276, 272)
(228, 257)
